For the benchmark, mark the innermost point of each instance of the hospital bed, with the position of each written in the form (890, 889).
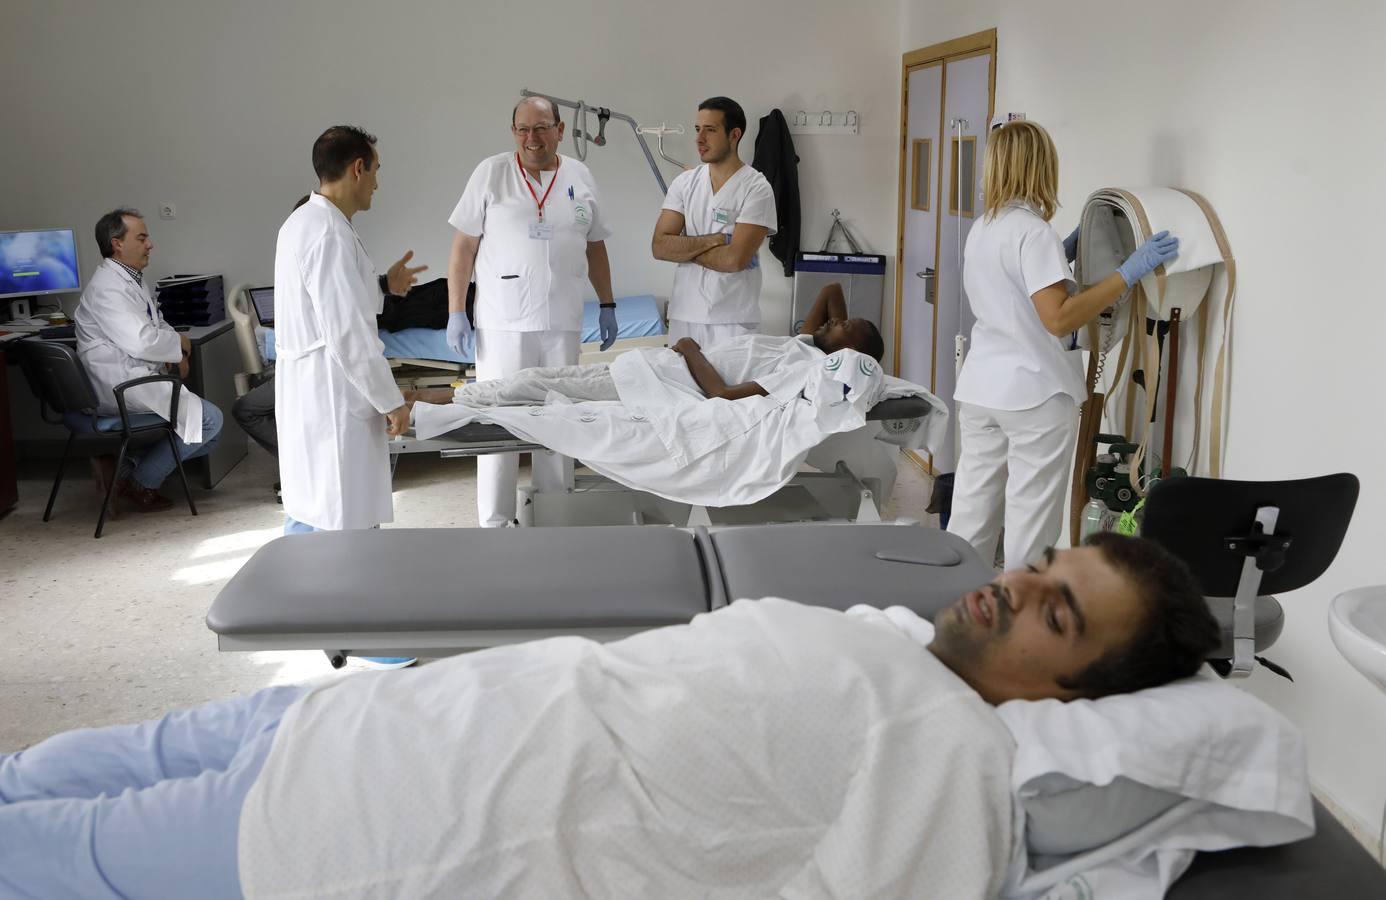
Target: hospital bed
(467, 589)
(855, 476)
(421, 358)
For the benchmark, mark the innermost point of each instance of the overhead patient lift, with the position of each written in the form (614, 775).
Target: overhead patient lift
(582, 135)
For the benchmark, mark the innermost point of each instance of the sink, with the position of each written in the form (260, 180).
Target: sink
(1357, 624)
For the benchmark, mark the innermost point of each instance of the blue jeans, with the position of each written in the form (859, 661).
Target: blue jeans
(157, 463)
(148, 810)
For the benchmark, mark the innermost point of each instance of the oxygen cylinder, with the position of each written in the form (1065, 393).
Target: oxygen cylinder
(1094, 519)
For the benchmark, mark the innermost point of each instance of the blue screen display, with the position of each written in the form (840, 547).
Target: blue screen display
(37, 262)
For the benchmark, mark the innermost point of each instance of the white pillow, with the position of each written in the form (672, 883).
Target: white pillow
(1198, 738)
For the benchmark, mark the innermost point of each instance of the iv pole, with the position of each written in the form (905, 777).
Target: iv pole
(959, 339)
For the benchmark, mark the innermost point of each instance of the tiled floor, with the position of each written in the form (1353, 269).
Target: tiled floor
(99, 632)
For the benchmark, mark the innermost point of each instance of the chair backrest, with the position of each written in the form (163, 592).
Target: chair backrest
(56, 375)
(1195, 518)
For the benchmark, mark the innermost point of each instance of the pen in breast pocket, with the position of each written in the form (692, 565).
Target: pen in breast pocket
(570, 192)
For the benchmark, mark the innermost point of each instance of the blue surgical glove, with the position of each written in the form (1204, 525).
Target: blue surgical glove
(1157, 251)
(607, 320)
(458, 330)
(1071, 245)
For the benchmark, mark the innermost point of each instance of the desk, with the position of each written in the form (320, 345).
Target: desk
(214, 362)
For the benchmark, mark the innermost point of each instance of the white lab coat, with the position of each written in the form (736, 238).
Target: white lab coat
(332, 382)
(120, 337)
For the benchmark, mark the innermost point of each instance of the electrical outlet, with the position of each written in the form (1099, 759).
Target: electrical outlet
(167, 211)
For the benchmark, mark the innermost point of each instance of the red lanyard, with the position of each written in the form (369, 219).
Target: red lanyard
(538, 201)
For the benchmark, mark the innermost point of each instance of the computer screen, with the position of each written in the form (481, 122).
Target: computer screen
(262, 298)
(39, 261)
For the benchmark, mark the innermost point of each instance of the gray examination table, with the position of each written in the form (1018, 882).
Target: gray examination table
(442, 591)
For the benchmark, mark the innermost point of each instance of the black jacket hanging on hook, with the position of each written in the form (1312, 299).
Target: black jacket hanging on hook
(776, 160)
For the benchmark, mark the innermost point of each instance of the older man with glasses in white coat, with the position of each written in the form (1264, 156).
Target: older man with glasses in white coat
(530, 230)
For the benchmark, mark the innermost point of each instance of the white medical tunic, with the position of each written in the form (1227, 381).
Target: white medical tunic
(1014, 362)
(332, 383)
(523, 282)
(764, 750)
(701, 295)
(121, 336)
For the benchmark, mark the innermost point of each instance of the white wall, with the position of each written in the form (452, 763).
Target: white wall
(1271, 110)
(214, 106)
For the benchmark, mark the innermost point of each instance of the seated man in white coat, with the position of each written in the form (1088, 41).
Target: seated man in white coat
(121, 335)
(767, 749)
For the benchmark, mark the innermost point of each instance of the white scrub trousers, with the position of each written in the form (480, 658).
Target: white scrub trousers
(708, 335)
(1013, 468)
(499, 354)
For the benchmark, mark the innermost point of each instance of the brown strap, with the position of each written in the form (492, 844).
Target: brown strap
(1217, 425)
(1089, 426)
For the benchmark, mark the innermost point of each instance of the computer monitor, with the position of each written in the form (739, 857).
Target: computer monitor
(38, 261)
(262, 298)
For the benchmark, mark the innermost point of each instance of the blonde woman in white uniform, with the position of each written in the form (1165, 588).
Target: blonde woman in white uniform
(531, 228)
(1018, 393)
(714, 220)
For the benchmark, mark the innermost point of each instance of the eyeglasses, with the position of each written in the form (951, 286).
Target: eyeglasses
(539, 131)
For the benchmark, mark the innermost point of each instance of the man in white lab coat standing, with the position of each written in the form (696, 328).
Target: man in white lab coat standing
(121, 336)
(530, 228)
(336, 402)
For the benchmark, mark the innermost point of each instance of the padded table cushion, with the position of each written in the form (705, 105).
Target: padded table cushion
(407, 579)
(1329, 864)
(839, 566)
(900, 408)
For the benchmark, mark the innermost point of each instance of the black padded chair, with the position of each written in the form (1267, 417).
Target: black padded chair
(66, 398)
(1247, 540)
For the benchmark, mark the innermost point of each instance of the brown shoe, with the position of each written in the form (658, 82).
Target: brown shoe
(103, 472)
(143, 499)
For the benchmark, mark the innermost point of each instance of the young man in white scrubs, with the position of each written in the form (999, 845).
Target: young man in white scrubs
(530, 230)
(714, 220)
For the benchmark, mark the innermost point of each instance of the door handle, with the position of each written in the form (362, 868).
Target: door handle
(928, 275)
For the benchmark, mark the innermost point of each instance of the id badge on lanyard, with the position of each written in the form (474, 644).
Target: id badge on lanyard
(541, 230)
